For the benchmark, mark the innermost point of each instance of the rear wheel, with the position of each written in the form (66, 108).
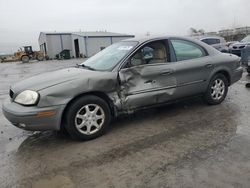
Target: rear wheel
(217, 89)
(87, 118)
(25, 59)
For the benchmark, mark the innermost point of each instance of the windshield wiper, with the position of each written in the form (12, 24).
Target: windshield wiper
(85, 66)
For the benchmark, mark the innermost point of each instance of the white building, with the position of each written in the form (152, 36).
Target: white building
(226, 32)
(242, 30)
(79, 43)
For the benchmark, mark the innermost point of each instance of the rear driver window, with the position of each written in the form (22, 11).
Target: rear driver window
(185, 50)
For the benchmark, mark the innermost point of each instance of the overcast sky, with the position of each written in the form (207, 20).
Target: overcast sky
(21, 21)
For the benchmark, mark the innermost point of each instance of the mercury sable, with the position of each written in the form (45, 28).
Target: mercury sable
(124, 77)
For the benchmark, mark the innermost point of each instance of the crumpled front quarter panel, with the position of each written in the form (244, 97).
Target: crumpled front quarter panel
(105, 82)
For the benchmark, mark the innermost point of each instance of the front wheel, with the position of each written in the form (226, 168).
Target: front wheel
(87, 118)
(217, 89)
(40, 57)
(25, 59)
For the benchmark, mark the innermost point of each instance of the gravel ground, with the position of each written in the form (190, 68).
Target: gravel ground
(188, 144)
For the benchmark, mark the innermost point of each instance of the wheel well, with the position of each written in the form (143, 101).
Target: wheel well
(24, 55)
(226, 74)
(95, 93)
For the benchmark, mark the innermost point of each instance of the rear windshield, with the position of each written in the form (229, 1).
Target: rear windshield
(246, 39)
(211, 41)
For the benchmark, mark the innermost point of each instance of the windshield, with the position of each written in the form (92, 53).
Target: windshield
(246, 39)
(110, 56)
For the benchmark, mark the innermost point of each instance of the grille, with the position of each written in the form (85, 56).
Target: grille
(11, 93)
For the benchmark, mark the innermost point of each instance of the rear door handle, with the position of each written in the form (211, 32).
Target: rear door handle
(167, 72)
(209, 65)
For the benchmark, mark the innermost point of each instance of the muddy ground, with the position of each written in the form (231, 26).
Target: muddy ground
(188, 144)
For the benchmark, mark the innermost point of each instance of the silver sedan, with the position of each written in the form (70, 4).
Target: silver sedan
(127, 76)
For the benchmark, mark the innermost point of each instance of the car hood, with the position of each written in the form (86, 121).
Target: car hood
(53, 78)
(238, 44)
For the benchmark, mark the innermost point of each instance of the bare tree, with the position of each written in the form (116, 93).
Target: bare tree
(195, 32)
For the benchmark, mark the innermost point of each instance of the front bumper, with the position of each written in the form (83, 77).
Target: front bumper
(237, 74)
(33, 118)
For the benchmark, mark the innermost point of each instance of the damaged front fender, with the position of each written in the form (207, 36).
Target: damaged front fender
(105, 82)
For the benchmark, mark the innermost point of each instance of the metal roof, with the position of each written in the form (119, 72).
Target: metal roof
(90, 34)
(94, 34)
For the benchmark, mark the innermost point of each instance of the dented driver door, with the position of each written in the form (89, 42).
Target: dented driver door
(146, 85)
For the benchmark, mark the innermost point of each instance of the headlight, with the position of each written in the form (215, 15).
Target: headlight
(27, 97)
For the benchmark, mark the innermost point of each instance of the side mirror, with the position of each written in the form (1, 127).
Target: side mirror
(147, 53)
(127, 63)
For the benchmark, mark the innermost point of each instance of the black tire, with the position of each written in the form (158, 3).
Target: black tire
(208, 97)
(247, 85)
(25, 59)
(80, 107)
(40, 57)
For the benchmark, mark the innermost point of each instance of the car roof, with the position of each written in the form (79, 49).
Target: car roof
(144, 39)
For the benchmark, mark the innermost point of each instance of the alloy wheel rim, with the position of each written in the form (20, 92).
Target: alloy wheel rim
(218, 89)
(89, 119)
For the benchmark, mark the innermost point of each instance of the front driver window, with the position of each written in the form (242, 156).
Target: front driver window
(154, 52)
